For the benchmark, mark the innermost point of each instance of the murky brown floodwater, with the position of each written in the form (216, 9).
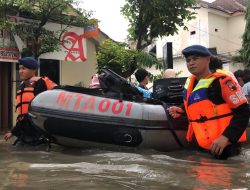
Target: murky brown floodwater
(62, 168)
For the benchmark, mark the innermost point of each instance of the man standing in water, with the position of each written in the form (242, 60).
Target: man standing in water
(28, 89)
(217, 110)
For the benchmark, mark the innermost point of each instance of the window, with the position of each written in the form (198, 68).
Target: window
(192, 33)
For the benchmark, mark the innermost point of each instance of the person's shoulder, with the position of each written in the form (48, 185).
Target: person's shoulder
(49, 83)
(141, 86)
(223, 73)
(225, 76)
(246, 85)
(232, 92)
(39, 83)
(246, 88)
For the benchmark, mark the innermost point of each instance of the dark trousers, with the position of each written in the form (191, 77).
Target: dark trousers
(26, 132)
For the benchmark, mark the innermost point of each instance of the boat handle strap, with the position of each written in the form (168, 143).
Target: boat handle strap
(171, 126)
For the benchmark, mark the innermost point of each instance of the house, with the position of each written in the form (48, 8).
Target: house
(218, 25)
(73, 64)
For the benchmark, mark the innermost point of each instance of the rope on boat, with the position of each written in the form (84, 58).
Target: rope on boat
(171, 125)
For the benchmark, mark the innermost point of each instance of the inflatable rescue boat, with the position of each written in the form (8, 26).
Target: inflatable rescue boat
(115, 114)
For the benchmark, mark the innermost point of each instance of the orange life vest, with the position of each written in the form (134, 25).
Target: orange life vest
(208, 120)
(25, 94)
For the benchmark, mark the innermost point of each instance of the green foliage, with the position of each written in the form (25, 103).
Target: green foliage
(39, 39)
(156, 77)
(245, 50)
(122, 60)
(115, 57)
(147, 60)
(161, 75)
(178, 73)
(150, 19)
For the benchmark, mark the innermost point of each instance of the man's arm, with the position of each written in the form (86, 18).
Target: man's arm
(238, 123)
(39, 86)
(234, 97)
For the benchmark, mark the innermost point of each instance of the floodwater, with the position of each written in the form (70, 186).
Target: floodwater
(123, 169)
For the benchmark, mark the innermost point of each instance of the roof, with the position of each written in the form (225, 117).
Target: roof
(226, 6)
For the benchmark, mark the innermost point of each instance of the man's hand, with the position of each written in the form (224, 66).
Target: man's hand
(7, 136)
(219, 144)
(34, 79)
(175, 111)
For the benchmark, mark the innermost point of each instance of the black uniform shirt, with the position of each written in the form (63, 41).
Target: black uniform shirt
(39, 86)
(241, 113)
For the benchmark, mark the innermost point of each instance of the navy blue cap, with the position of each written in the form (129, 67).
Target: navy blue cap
(29, 62)
(196, 50)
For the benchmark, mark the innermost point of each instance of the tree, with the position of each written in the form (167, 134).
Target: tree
(38, 39)
(122, 60)
(245, 50)
(150, 19)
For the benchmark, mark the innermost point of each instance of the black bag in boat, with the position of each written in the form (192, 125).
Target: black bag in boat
(115, 86)
(169, 90)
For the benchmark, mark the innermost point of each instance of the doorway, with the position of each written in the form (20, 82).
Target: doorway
(5, 96)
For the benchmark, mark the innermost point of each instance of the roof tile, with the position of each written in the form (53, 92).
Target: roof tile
(227, 6)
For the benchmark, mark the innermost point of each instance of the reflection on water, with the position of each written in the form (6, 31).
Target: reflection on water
(95, 169)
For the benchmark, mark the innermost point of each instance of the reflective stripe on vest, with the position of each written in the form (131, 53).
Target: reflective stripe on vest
(198, 106)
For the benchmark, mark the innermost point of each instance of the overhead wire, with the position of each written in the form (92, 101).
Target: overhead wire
(229, 41)
(218, 37)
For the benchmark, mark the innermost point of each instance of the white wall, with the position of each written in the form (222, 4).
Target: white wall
(218, 39)
(227, 39)
(236, 28)
(183, 38)
(75, 72)
(180, 65)
(235, 66)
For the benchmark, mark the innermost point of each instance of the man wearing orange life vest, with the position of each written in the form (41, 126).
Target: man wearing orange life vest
(30, 86)
(217, 110)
